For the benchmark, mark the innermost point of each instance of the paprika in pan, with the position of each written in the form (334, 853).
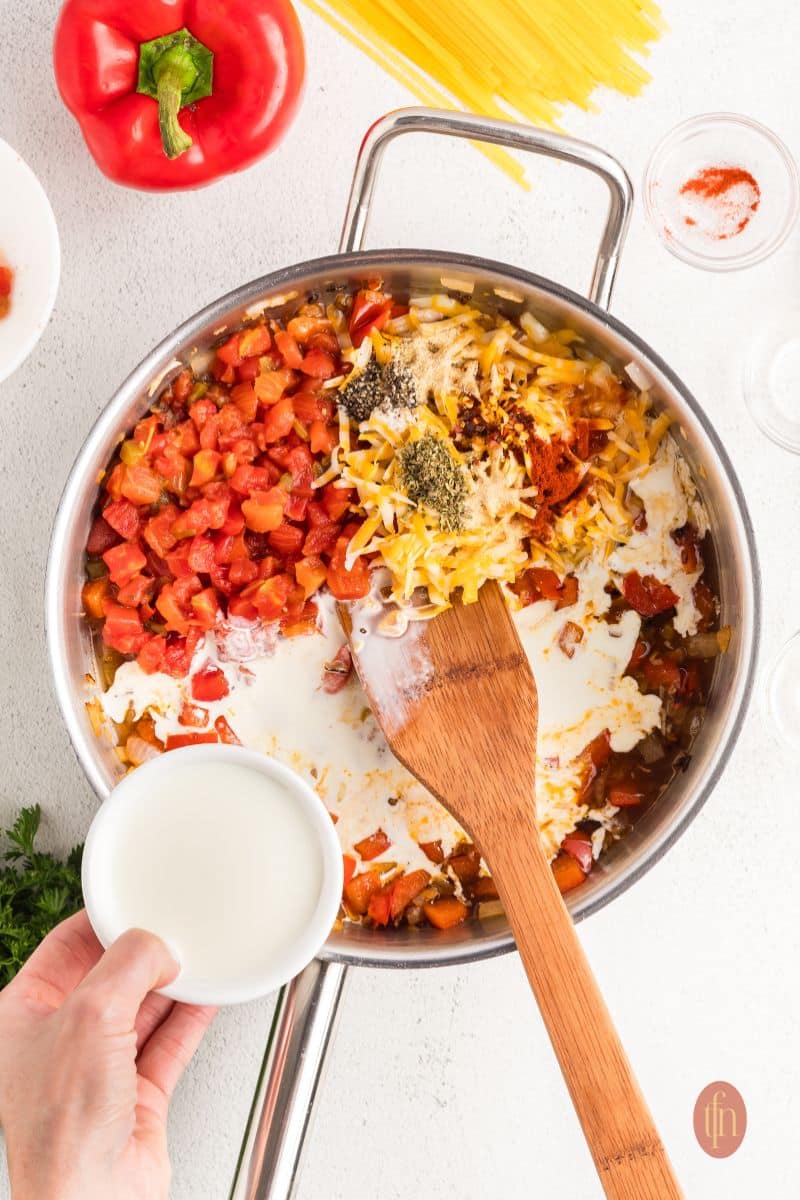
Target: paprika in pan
(175, 93)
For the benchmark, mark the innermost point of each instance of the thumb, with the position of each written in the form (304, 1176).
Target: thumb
(135, 964)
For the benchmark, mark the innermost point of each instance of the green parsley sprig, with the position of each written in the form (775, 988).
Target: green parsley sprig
(37, 891)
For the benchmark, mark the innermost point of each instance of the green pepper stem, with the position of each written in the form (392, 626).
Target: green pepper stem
(175, 70)
(174, 138)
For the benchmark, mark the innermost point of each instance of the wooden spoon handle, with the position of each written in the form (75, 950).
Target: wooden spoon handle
(627, 1149)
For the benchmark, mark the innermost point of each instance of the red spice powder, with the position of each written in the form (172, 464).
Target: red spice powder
(731, 193)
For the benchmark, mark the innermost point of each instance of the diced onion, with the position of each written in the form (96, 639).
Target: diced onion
(139, 751)
(638, 377)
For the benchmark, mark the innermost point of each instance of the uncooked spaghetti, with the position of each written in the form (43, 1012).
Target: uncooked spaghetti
(503, 59)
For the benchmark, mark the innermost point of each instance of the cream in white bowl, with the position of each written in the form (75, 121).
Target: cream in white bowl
(225, 854)
(29, 246)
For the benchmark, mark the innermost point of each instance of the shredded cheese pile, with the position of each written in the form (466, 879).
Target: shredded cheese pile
(485, 387)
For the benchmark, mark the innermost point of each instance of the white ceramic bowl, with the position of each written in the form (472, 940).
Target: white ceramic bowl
(264, 971)
(29, 245)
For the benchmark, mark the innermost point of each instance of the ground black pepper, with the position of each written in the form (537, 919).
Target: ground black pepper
(389, 387)
(431, 477)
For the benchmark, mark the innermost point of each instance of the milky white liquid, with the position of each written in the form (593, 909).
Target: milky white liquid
(220, 861)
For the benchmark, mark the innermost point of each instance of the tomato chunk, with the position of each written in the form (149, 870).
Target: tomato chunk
(647, 595)
(446, 913)
(370, 847)
(209, 684)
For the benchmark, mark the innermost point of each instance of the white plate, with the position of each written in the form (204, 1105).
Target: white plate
(29, 245)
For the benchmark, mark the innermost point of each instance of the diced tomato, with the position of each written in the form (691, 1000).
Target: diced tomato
(101, 538)
(640, 652)
(310, 573)
(247, 479)
(599, 749)
(193, 715)
(93, 596)
(686, 538)
(647, 595)
(152, 655)
(569, 593)
(483, 889)
(242, 572)
(135, 590)
(286, 539)
(263, 511)
(433, 850)
(225, 732)
(344, 584)
(201, 554)
(177, 560)
(171, 610)
(205, 608)
(6, 282)
(308, 407)
(123, 629)
(405, 889)
(123, 517)
(279, 420)
(270, 595)
(358, 892)
(321, 539)
(176, 741)
(579, 845)
(567, 872)
(270, 385)
(246, 401)
(370, 847)
(446, 913)
(209, 684)
(206, 467)
(336, 501)
(660, 671)
(323, 438)
(379, 909)
(466, 864)
(114, 481)
(625, 795)
(319, 364)
(124, 561)
(349, 864)
(158, 530)
(140, 485)
(254, 341)
(288, 349)
(201, 411)
(370, 310)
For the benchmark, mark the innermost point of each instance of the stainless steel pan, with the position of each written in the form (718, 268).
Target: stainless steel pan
(306, 1009)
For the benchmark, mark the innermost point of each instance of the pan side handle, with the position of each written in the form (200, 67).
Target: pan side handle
(302, 1027)
(514, 137)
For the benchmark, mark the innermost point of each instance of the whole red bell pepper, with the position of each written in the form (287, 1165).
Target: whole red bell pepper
(174, 93)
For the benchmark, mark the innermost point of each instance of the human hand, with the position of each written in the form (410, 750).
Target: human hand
(89, 1059)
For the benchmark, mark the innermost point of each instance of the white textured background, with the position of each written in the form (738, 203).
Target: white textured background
(443, 1082)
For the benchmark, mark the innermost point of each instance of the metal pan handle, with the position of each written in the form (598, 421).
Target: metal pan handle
(302, 1027)
(502, 133)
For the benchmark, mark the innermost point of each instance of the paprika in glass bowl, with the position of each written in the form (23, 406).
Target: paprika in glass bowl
(172, 96)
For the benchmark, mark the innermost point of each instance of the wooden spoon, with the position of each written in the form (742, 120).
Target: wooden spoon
(456, 700)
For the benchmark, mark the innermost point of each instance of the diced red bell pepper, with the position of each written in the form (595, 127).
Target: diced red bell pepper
(405, 889)
(344, 584)
(567, 872)
(176, 741)
(263, 511)
(370, 310)
(140, 485)
(579, 845)
(358, 892)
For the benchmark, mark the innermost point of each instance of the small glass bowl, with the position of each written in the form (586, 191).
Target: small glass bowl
(728, 140)
(771, 379)
(782, 692)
